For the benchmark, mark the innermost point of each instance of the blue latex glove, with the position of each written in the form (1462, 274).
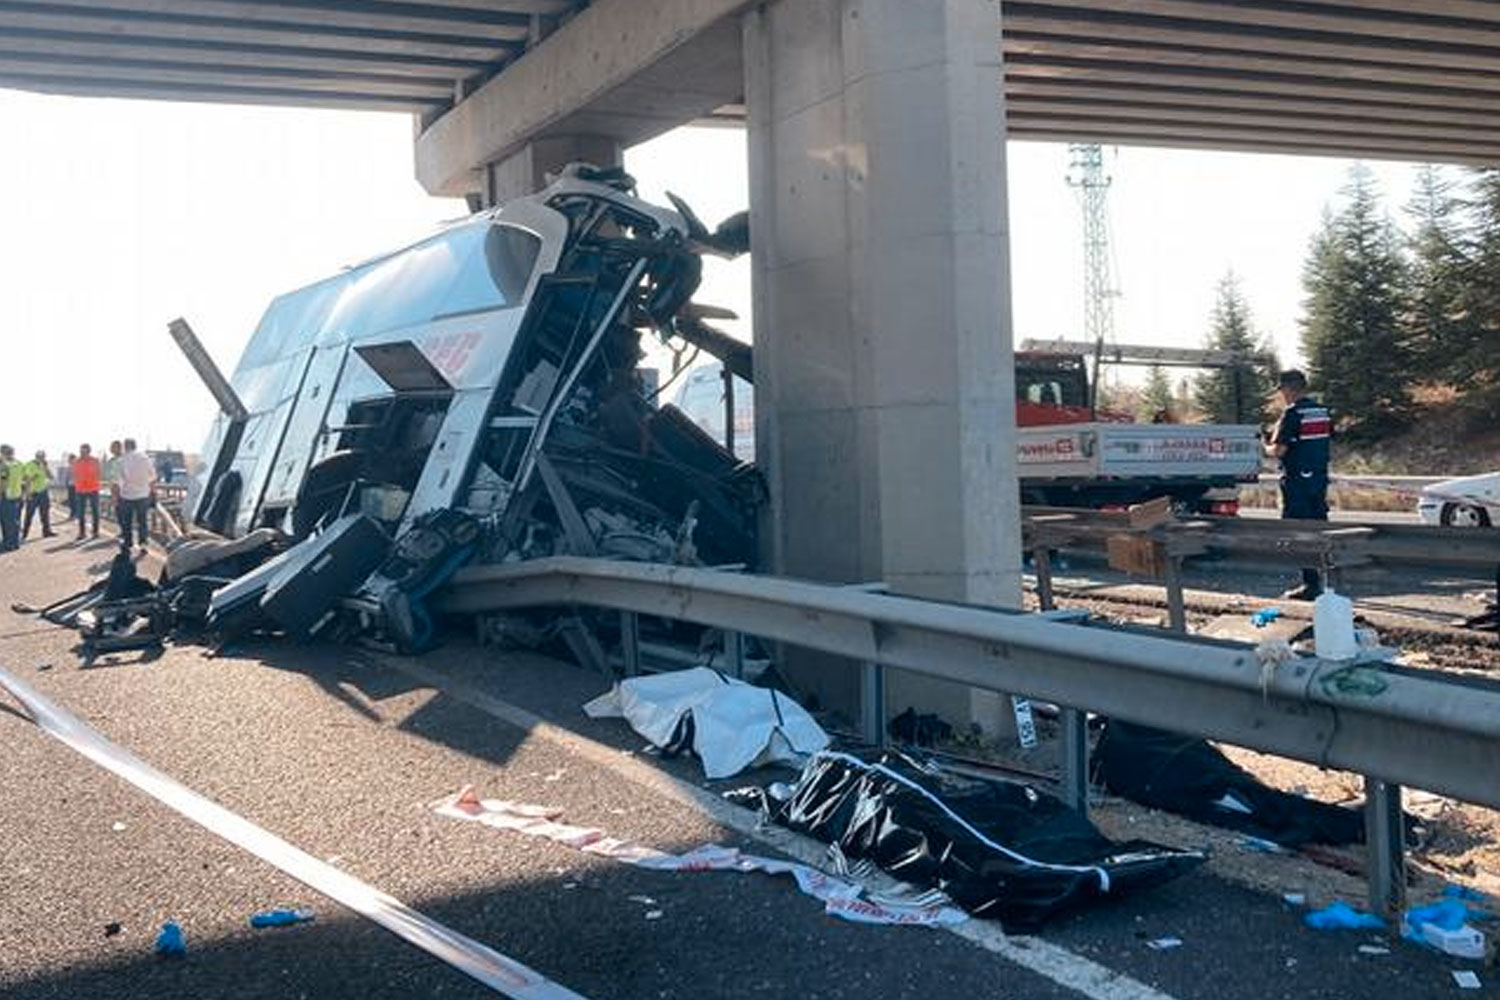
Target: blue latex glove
(169, 941)
(1264, 617)
(280, 918)
(1341, 916)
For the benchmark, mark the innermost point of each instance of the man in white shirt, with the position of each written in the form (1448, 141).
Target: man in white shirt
(136, 474)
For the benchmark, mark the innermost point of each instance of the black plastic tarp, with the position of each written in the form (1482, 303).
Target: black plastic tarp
(999, 849)
(1188, 776)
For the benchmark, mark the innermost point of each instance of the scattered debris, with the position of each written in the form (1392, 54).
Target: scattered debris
(1341, 916)
(1465, 893)
(1466, 979)
(1444, 925)
(1264, 617)
(113, 928)
(1374, 949)
(170, 942)
(914, 729)
(840, 897)
(1164, 943)
(282, 918)
(728, 724)
(117, 826)
(654, 914)
(1294, 898)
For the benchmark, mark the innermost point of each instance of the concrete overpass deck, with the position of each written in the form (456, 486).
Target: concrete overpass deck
(1337, 77)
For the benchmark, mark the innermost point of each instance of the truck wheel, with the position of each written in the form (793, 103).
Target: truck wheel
(1463, 515)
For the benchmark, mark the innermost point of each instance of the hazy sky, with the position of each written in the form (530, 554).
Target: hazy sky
(120, 215)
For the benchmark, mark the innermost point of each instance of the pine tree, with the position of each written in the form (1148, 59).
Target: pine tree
(1352, 333)
(1472, 348)
(1437, 279)
(1235, 394)
(1157, 403)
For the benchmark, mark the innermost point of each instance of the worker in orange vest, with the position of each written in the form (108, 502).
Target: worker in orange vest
(86, 482)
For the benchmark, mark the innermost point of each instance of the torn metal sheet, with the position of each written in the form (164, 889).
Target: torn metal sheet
(478, 961)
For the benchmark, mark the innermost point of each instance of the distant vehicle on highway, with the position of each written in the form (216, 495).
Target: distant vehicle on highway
(1468, 502)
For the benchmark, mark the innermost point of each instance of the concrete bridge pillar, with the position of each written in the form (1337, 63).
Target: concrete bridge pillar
(884, 380)
(525, 171)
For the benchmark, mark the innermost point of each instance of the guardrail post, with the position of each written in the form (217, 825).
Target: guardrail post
(630, 642)
(734, 653)
(872, 703)
(1333, 573)
(1041, 557)
(1074, 730)
(1176, 610)
(1385, 845)
(1075, 758)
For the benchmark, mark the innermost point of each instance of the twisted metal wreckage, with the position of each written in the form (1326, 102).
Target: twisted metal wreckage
(474, 396)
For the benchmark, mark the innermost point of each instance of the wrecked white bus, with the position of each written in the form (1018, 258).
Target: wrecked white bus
(490, 368)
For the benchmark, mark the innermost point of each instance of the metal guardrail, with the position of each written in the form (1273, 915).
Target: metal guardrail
(1333, 547)
(1395, 726)
(1337, 544)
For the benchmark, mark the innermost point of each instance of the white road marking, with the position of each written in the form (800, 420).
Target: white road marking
(1051, 961)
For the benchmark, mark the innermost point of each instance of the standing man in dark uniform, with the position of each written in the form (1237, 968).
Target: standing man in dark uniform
(1301, 441)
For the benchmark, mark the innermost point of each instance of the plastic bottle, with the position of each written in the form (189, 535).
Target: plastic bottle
(1333, 627)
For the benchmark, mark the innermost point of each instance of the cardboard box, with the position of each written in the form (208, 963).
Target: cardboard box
(1137, 555)
(1150, 514)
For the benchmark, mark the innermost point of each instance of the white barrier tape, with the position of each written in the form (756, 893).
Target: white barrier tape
(840, 898)
(479, 961)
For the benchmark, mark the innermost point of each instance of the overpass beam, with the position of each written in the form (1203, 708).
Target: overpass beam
(525, 171)
(884, 380)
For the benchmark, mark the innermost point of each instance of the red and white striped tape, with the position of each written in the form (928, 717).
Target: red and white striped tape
(840, 898)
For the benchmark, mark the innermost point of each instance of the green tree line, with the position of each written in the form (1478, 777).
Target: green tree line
(1387, 311)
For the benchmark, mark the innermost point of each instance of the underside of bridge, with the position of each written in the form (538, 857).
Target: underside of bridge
(1341, 77)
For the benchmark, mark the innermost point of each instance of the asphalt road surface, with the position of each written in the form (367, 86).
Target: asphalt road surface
(342, 753)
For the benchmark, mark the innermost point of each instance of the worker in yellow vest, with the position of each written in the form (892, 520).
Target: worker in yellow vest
(37, 486)
(12, 489)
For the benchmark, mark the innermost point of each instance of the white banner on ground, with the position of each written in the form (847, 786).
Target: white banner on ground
(840, 898)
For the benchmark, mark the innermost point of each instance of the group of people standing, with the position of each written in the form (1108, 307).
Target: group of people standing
(25, 492)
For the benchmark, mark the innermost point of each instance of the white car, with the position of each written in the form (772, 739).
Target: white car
(1470, 502)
